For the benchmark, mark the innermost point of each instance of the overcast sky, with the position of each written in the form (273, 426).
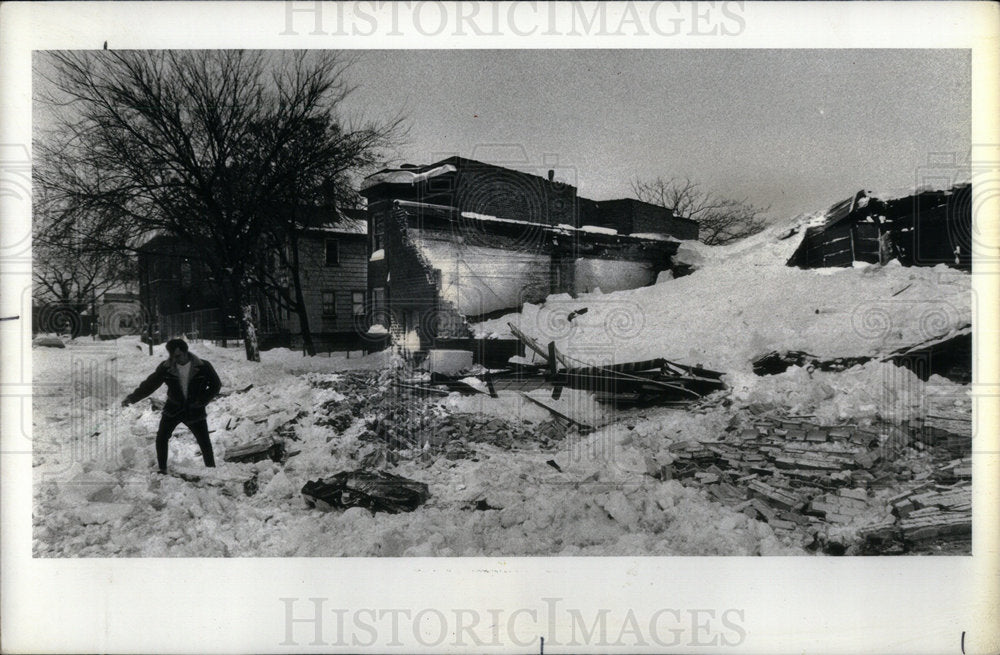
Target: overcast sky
(796, 130)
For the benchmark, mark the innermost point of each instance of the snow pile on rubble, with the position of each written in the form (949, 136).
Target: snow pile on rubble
(874, 390)
(502, 481)
(96, 494)
(742, 302)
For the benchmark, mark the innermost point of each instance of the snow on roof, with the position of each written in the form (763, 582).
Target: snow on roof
(565, 228)
(652, 236)
(405, 176)
(344, 226)
(597, 229)
(942, 185)
(487, 217)
(743, 302)
(146, 239)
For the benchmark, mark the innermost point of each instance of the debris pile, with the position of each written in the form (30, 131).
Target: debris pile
(921, 514)
(797, 475)
(653, 381)
(269, 447)
(376, 491)
(429, 427)
(775, 362)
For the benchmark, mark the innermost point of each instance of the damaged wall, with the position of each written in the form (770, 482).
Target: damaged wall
(480, 280)
(475, 240)
(611, 275)
(924, 229)
(415, 300)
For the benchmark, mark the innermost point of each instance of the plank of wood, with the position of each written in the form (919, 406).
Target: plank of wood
(528, 341)
(557, 413)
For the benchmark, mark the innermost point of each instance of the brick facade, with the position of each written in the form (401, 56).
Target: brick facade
(631, 216)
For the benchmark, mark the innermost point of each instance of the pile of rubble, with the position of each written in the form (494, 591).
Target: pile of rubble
(401, 417)
(429, 427)
(800, 476)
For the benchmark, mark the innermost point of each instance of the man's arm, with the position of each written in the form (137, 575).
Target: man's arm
(214, 383)
(148, 386)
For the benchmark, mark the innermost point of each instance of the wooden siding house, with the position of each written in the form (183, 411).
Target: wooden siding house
(182, 298)
(334, 273)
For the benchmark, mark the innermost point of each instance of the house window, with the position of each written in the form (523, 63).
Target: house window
(185, 273)
(329, 303)
(332, 252)
(358, 303)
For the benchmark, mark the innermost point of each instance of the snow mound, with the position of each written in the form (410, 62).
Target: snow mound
(743, 302)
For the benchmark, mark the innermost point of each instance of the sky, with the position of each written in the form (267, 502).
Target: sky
(791, 130)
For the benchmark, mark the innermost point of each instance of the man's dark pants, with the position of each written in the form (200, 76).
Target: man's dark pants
(197, 422)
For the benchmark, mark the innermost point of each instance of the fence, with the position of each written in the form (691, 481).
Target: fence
(199, 324)
(212, 324)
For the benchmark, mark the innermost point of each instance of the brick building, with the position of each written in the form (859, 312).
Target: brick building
(459, 241)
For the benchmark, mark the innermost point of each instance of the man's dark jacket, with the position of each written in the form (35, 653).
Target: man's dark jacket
(203, 384)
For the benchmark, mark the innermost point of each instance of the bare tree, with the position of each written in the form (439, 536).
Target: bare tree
(720, 219)
(325, 163)
(72, 279)
(201, 145)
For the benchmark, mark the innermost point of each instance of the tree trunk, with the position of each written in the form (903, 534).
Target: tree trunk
(248, 322)
(250, 342)
(300, 303)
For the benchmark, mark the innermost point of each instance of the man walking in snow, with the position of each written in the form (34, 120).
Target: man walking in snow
(191, 384)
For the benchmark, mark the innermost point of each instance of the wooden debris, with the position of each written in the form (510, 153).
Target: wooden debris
(256, 451)
(801, 475)
(376, 491)
(556, 412)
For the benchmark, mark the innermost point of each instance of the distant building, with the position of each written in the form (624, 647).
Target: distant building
(631, 216)
(458, 241)
(439, 248)
(183, 298)
(119, 314)
(334, 274)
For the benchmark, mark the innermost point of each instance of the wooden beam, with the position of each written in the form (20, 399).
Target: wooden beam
(528, 341)
(557, 413)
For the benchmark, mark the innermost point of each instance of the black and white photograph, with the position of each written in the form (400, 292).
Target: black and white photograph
(414, 305)
(308, 306)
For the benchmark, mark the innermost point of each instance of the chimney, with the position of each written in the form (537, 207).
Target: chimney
(552, 175)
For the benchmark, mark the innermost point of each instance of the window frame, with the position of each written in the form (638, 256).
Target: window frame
(358, 307)
(326, 251)
(324, 306)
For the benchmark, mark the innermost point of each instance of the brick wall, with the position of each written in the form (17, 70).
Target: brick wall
(413, 287)
(511, 194)
(651, 218)
(628, 215)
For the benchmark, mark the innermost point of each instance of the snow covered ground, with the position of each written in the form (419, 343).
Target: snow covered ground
(96, 494)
